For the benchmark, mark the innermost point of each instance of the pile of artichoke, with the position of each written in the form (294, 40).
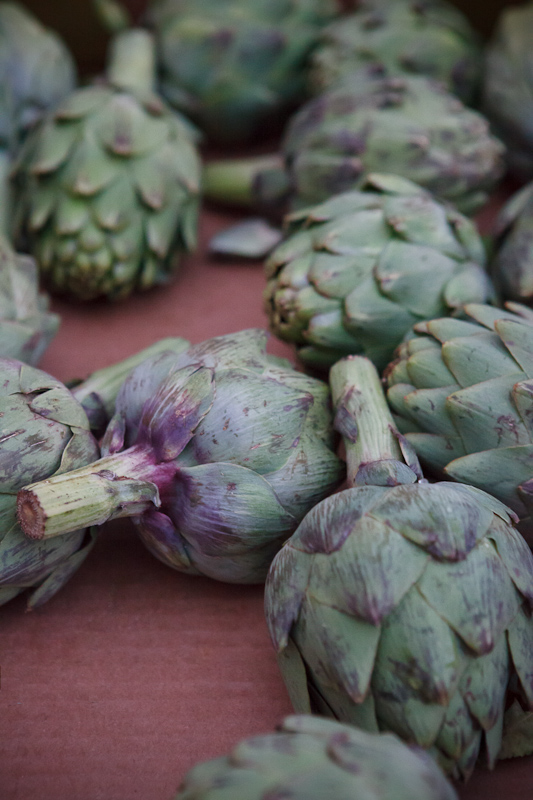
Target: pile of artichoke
(399, 603)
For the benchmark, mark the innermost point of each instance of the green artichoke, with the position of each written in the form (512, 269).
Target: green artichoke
(26, 325)
(508, 86)
(311, 757)
(400, 605)
(356, 272)
(216, 452)
(44, 432)
(405, 37)
(108, 184)
(36, 71)
(461, 390)
(236, 67)
(512, 262)
(407, 126)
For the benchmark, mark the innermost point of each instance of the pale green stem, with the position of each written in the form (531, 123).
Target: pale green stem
(260, 180)
(131, 62)
(358, 398)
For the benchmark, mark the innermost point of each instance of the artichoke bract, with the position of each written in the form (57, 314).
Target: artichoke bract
(108, 184)
(357, 271)
(36, 71)
(431, 38)
(462, 394)
(44, 431)
(400, 605)
(512, 261)
(217, 453)
(311, 757)
(508, 86)
(26, 325)
(234, 67)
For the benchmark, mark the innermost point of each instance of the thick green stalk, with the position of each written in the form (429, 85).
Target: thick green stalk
(121, 485)
(363, 414)
(131, 63)
(258, 181)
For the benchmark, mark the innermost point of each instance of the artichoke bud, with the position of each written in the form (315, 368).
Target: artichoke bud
(107, 187)
(221, 482)
(311, 757)
(44, 432)
(400, 605)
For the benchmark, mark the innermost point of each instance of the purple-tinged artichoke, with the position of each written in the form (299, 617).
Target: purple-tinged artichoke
(462, 394)
(403, 37)
(400, 605)
(44, 431)
(357, 271)
(217, 453)
(310, 757)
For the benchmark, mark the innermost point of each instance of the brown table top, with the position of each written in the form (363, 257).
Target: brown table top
(134, 672)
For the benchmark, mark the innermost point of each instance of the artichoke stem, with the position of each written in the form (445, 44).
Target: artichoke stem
(121, 485)
(131, 63)
(259, 181)
(363, 416)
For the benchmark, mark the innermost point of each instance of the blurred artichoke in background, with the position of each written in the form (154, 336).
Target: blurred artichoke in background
(404, 37)
(26, 325)
(356, 272)
(236, 68)
(310, 757)
(44, 431)
(512, 262)
(108, 184)
(216, 453)
(462, 392)
(508, 86)
(36, 71)
(400, 605)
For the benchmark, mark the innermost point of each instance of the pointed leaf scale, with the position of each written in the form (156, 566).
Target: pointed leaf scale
(367, 311)
(82, 102)
(485, 417)
(87, 171)
(160, 536)
(419, 651)
(493, 740)
(243, 349)
(161, 230)
(463, 593)
(71, 214)
(336, 276)
(487, 501)
(386, 472)
(339, 649)
(499, 472)
(520, 635)
(326, 331)
(488, 316)
(254, 421)
(292, 669)
(419, 220)
(447, 328)
(349, 234)
(522, 394)
(53, 148)
(427, 370)
(125, 129)
(516, 556)
(370, 574)
(170, 418)
(428, 408)
(443, 521)
(468, 235)
(484, 684)
(517, 336)
(82, 448)
(392, 184)
(284, 592)
(151, 181)
(42, 205)
(224, 509)
(61, 574)
(470, 284)
(34, 380)
(58, 405)
(458, 728)
(465, 765)
(473, 359)
(110, 207)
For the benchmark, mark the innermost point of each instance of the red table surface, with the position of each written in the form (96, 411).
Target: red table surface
(134, 672)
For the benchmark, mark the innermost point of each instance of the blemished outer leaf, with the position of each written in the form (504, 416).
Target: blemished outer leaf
(357, 271)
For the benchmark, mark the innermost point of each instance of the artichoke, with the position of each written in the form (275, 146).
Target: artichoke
(512, 262)
(400, 605)
(407, 126)
(236, 67)
(216, 452)
(36, 71)
(311, 757)
(461, 390)
(44, 432)
(405, 37)
(26, 325)
(357, 271)
(508, 86)
(108, 184)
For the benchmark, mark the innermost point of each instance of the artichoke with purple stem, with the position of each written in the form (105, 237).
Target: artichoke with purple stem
(309, 757)
(216, 452)
(400, 605)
